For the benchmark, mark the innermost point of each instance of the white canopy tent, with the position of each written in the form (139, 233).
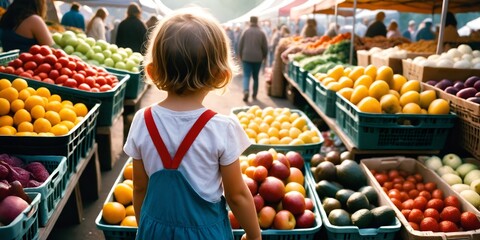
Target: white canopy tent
(259, 10)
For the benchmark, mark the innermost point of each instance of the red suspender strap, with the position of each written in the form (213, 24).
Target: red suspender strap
(186, 143)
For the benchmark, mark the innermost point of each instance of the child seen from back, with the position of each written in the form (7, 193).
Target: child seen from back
(186, 156)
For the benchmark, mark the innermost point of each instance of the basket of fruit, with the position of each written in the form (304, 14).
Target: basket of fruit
(59, 126)
(427, 207)
(350, 209)
(19, 215)
(117, 217)
(276, 180)
(281, 128)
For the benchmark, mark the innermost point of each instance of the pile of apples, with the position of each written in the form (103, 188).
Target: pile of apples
(49, 65)
(277, 184)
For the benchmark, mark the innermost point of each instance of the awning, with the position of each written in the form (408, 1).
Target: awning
(426, 7)
(257, 11)
(313, 5)
(285, 11)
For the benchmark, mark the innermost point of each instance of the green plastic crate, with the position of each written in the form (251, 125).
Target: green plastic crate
(301, 78)
(25, 226)
(135, 84)
(325, 100)
(393, 131)
(306, 150)
(310, 85)
(9, 56)
(53, 189)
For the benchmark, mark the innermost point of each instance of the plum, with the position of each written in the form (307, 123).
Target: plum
(478, 94)
(459, 85)
(477, 85)
(452, 90)
(466, 92)
(432, 82)
(443, 84)
(474, 99)
(471, 81)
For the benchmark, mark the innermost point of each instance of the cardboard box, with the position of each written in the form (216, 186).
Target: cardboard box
(422, 73)
(413, 166)
(363, 58)
(394, 63)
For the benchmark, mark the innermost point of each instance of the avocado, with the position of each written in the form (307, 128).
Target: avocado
(325, 188)
(325, 171)
(350, 175)
(339, 217)
(343, 195)
(362, 218)
(330, 204)
(370, 193)
(357, 201)
(383, 216)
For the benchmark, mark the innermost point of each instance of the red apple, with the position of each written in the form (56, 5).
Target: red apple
(469, 221)
(309, 204)
(233, 221)
(263, 158)
(305, 220)
(272, 189)
(281, 157)
(294, 202)
(279, 170)
(251, 184)
(259, 202)
(260, 173)
(284, 220)
(295, 159)
(266, 217)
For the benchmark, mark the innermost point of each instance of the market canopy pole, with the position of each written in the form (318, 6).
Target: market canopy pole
(442, 26)
(352, 37)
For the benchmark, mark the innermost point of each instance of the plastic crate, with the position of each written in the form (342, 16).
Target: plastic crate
(310, 85)
(25, 226)
(301, 78)
(325, 100)
(411, 165)
(53, 189)
(9, 56)
(74, 146)
(116, 232)
(306, 150)
(393, 131)
(293, 70)
(135, 84)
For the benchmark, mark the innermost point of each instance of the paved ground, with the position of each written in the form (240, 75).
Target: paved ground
(220, 103)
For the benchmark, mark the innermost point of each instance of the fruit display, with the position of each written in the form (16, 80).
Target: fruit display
(279, 188)
(13, 168)
(422, 46)
(25, 111)
(394, 52)
(367, 43)
(118, 210)
(98, 52)
(422, 201)
(13, 201)
(49, 65)
(462, 175)
(462, 57)
(277, 126)
(469, 89)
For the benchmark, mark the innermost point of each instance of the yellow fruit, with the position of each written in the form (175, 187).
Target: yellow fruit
(37, 112)
(286, 125)
(128, 172)
(296, 141)
(59, 130)
(305, 137)
(282, 118)
(16, 105)
(6, 120)
(67, 103)
(369, 105)
(7, 130)
(412, 108)
(385, 73)
(328, 80)
(294, 116)
(123, 193)
(294, 132)
(286, 140)
(20, 116)
(346, 93)
(333, 86)
(42, 125)
(129, 221)
(347, 71)
(345, 82)
(365, 80)
(53, 117)
(9, 93)
(46, 134)
(24, 94)
(390, 104)
(410, 97)
(426, 97)
(80, 109)
(68, 124)
(283, 133)
(424, 111)
(262, 135)
(394, 93)
(439, 106)
(19, 84)
(336, 72)
(129, 210)
(411, 85)
(371, 71)
(378, 89)
(274, 140)
(264, 141)
(4, 106)
(25, 127)
(33, 101)
(113, 212)
(276, 124)
(55, 97)
(31, 91)
(251, 133)
(320, 76)
(299, 122)
(398, 81)
(4, 83)
(67, 114)
(315, 139)
(295, 186)
(359, 93)
(356, 72)
(263, 127)
(273, 132)
(268, 111)
(26, 134)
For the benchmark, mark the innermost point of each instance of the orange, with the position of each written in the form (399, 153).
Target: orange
(129, 182)
(43, 92)
(7, 130)
(394, 93)
(4, 106)
(68, 124)
(80, 109)
(359, 93)
(365, 80)
(129, 221)
(295, 186)
(53, 106)
(31, 91)
(426, 97)
(356, 72)
(55, 97)
(42, 125)
(412, 108)
(19, 84)
(123, 193)
(390, 104)
(128, 172)
(385, 73)
(411, 85)
(24, 94)
(410, 97)
(130, 211)
(20, 116)
(6, 120)
(25, 127)
(33, 101)
(67, 114)
(16, 105)
(59, 129)
(26, 134)
(53, 117)
(398, 81)
(37, 112)
(5, 83)
(113, 212)
(371, 71)
(370, 105)
(9, 93)
(296, 175)
(346, 93)
(67, 103)
(439, 106)
(378, 89)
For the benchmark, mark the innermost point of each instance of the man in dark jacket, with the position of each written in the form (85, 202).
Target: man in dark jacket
(252, 49)
(377, 28)
(132, 31)
(74, 18)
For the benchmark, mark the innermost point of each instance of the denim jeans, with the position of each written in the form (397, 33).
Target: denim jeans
(251, 69)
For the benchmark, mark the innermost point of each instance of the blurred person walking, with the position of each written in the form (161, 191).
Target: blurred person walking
(377, 28)
(310, 29)
(410, 32)
(96, 26)
(393, 31)
(425, 32)
(132, 31)
(74, 18)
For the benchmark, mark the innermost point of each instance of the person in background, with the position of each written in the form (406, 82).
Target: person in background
(74, 18)
(237, 31)
(425, 33)
(279, 34)
(410, 32)
(151, 23)
(96, 26)
(132, 31)
(361, 27)
(332, 30)
(113, 32)
(377, 28)
(310, 29)
(22, 25)
(393, 31)
(185, 198)
(451, 33)
(252, 50)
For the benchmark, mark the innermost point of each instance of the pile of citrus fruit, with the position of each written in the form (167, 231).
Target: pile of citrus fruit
(25, 111)
(375, 90)
(120, 210)
(276, 126)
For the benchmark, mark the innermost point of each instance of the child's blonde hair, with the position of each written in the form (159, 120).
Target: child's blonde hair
(189, 51)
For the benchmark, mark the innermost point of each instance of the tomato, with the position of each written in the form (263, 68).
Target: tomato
(84, 86)
(452, 201)
(57, 66)
(411, 179)
(399, 179)
(404, 196)
(25, 74)
(381, 178)
(79, 78)
(36, 77)
(66, 71)
(63, 60)
(416, 216)
(430, 186)
(61, 79)
(101, 81)
(425, 194)
(81, 67)
(397, 203)
(45, 50)
(48, 80)
(407, 204)
(9, 70)
(54, 74)
(437, 193)
(420, 202)
(25, 57)
(414, 226)
(432, 212)
(388, 185)
(19, 71)
(435, 203)
(393, 173)
(2, 68)
(72, 65)
(90, 81)
(34, 49)
(90, 72)
(31, 65)
(59, 53)
(373, 171)
(420, 186)
(44, 67)
(16, 63)
(406, 212)
(38, 58)
(50, 59)
(43, 75)
(70, 83)
(413, 193)
(94, 89)
(105, 88)
(408, 185)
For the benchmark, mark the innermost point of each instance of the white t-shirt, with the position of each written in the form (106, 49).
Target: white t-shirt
(220, 142)
(98, 29)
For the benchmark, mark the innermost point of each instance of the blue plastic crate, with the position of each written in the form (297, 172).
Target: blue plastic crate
(135, 84)
(325, 100)
(25, 226)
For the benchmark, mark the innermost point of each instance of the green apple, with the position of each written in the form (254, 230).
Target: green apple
(82, 35)
(57, 37)
(465, 168)
(103, 44)
(69, 49)
(113, 48)
(109, 62)
(445, 169)
(136, 59)
(452, 160)
(137, 54)
(471, 197)
(78, 54)
(475, 185)
(97, 49)
(117, 57)
(459, 187)
(471, 176)
(451, 179)
(130, 64)
(56, 46)
(83, 47)
(107, 53)
(129, 51)
(120, 65)
(135, 69)
(93, 62)
(99, 57)
(433, 163)
(90, 54)
(90, 41)
(72, 41)
(122, 52)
